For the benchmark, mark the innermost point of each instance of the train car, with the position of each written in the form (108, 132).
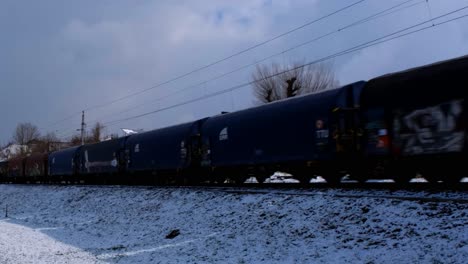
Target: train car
(16, 169)
(35, 167)
(63, 164)
(165, 155)
(306, 135)
(416, 121)
(3, 170)
(103, 161)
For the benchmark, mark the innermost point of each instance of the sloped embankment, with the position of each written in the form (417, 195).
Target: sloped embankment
(150, 225)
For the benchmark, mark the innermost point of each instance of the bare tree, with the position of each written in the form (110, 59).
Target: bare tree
(47, 143)
(75, 140)
(266, 88)
(96, 132)
(50, 137)
(25, 134)
(95, 137)
(274, 82)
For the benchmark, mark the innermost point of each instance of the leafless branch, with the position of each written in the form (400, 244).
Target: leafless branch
(309, 79)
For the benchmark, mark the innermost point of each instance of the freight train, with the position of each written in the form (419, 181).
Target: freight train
(394, 126)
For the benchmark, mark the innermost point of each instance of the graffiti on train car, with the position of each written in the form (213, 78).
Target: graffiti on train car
(431, 130)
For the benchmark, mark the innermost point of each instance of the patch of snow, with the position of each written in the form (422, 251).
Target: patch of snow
(251, 180)
(347, 178)
(319, 179)
(21, 244)
(281, 177)
(380, 181)
(418, 179)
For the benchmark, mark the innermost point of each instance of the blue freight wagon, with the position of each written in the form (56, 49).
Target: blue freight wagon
(416, 121)
(104, 160)
(63, 164)
(165, 155)
(292, 135)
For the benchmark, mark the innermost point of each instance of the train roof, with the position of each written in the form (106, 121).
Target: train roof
(110, 142)
(65, 151)
(433, 82)
(322, 100)
(432, 68)
(165, 130)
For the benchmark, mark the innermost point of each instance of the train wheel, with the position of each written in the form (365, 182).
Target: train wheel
(362, 173)
(264, 175)
(260, 179)
(433, 175)
(261, 174)
(401, 173)
(403, 178)
(303, 179)
(432, 178)
(440, 175)
(221, 179)
(359, 178)
(333, 179)
(453, 180)
(240, 179)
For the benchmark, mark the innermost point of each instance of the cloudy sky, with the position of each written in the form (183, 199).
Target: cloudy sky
(60, 57)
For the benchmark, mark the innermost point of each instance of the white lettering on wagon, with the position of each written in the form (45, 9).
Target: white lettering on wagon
(223, 135)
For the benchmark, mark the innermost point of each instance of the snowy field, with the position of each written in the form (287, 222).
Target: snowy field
(53, 224)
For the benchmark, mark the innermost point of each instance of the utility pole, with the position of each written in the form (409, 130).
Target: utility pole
(82, 128)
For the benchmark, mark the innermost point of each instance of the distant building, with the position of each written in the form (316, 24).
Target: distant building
(12, 150)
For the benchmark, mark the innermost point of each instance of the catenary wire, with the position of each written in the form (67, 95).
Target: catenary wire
(359, 47)
(354, 49)
(385, 12)
(213, 63)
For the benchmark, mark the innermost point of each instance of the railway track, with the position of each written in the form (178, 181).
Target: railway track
(418, 192)
(415, 191)
(348, 185)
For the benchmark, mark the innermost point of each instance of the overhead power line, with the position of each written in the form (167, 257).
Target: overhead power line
(213, 63)
(61, 121)
(377, 15)
(226, 58)
(374, 42)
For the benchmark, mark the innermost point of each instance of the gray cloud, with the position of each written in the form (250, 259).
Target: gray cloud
(60, 57)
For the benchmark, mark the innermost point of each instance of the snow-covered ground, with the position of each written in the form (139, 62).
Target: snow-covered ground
(53, 224)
